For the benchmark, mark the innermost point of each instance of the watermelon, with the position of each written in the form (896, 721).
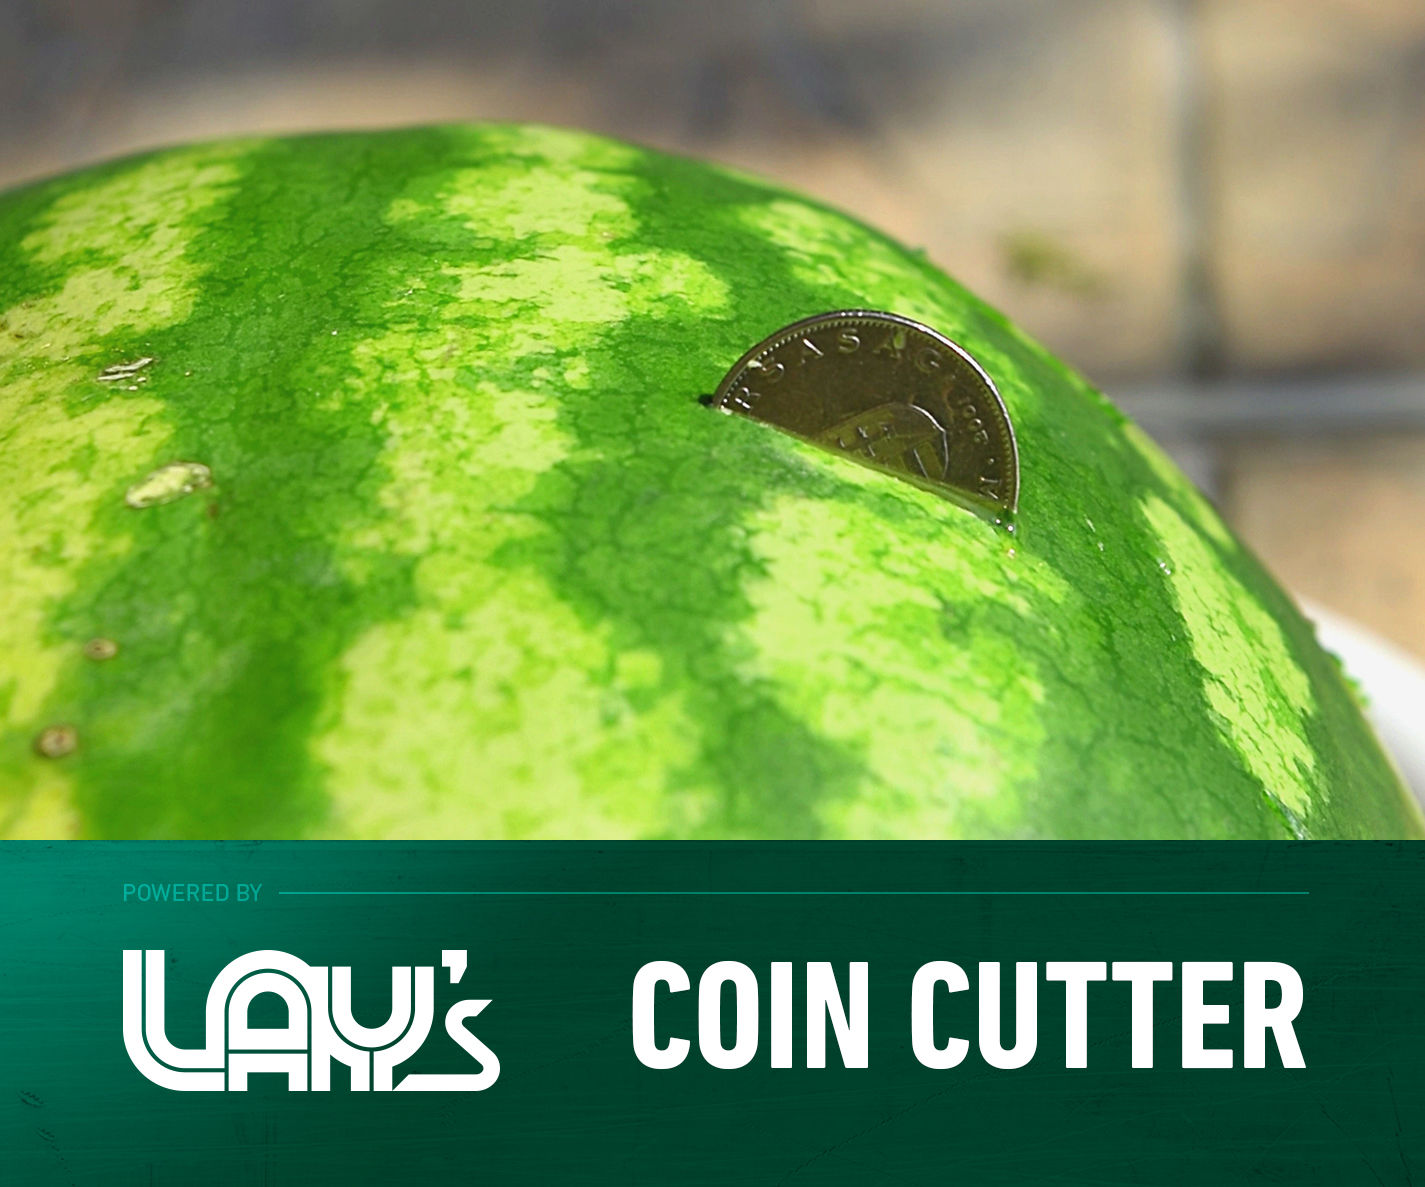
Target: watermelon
(358, 486)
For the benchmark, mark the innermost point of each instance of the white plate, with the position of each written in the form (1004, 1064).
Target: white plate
(1394, 684)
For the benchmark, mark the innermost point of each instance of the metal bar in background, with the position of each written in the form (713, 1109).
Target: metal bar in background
(1299, 406)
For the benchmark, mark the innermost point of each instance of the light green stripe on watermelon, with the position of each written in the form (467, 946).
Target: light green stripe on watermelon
(116, 252)
(856, 630)
(476, 561)
(1254, 684)
(592, 734)
(1186, 497)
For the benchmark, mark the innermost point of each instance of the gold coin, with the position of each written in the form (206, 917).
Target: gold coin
(889, 393)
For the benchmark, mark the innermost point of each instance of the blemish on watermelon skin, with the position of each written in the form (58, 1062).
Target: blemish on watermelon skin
(100, 649)
(484, 567)
(167, 484)
(125, 371)
(57, 741)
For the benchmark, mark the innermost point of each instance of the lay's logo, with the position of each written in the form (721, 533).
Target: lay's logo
(319, 1030)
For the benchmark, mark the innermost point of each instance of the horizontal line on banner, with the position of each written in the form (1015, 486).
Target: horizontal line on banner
(847, 893)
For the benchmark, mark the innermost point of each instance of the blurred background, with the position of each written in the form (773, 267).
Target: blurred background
(1215, 208)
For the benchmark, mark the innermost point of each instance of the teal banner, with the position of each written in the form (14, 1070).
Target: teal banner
(712, 1013)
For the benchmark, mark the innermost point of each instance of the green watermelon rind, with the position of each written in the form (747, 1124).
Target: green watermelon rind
(475, 562)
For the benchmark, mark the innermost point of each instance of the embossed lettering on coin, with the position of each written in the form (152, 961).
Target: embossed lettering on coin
(887, 392)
